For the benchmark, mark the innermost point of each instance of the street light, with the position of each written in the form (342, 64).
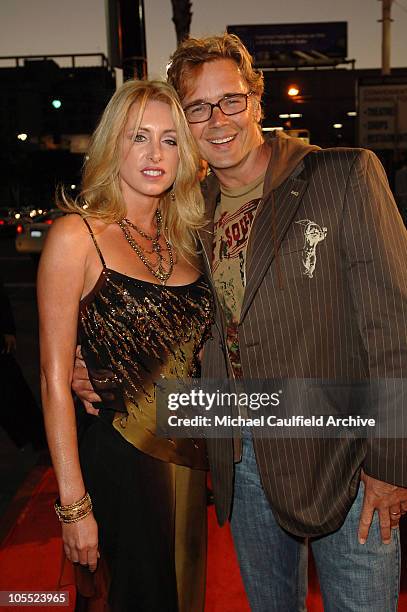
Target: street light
(56, 103)
(22, 136)
(337, 126)
(293, 90)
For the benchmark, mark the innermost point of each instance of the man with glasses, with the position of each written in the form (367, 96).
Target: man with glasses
(307, 256)
(299, 296)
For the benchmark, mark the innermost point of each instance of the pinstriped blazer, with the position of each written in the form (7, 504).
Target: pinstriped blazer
(347, 320)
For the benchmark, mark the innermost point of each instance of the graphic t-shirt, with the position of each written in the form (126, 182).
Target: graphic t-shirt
(233, 219)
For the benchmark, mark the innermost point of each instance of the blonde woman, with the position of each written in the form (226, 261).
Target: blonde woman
(123, 276)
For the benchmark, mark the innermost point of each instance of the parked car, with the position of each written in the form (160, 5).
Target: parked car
(31, 236)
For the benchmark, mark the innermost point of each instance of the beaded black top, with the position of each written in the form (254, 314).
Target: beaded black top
(133, 334)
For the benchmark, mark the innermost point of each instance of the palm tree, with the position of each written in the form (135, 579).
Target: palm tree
(182, 15)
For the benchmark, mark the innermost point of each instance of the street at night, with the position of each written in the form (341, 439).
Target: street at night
(19, 273)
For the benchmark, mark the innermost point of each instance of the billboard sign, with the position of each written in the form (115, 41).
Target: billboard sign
(294, 44)
(383, 116)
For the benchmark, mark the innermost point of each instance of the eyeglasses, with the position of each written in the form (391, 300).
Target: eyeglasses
(231, 104)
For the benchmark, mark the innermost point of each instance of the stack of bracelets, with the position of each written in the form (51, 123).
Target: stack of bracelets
(74, 512)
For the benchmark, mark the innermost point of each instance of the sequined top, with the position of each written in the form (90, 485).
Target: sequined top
(134, 333)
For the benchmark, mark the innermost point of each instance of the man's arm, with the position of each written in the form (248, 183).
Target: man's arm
(82, 386)
(375, 245)
(92, 386)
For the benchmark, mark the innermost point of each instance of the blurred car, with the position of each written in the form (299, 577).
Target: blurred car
(31, 235)
(8, 223)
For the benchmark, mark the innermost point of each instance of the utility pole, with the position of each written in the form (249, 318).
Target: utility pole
(182, 15)
(386, 39)
(127, 37)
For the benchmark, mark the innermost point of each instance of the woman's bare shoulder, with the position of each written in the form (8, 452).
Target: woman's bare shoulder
(75, 226)
(70, 224)
(66, 236)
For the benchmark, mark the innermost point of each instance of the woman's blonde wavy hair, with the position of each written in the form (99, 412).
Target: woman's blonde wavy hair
(101, 196)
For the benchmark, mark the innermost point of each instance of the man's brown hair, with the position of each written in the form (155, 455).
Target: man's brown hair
(192, 53)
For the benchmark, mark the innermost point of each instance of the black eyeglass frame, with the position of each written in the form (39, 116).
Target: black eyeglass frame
(218, 105)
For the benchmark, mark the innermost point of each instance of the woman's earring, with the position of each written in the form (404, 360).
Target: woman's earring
(172, 195)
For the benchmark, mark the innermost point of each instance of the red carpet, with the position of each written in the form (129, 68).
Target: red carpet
(31, 554)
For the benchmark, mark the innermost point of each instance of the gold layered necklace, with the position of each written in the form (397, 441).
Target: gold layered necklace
(157, 268)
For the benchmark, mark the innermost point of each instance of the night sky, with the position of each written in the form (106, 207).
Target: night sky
(78, 26)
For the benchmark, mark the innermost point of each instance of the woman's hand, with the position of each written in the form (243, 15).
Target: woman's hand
(81, 541)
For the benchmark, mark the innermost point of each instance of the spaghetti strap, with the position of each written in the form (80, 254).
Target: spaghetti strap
(94, 242)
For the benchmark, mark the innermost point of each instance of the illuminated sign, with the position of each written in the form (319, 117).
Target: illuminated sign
(294, 44)
(383, 116)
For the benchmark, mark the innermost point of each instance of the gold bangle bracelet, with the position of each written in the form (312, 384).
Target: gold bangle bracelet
(74, 512)
(85, 498)
(75, 519)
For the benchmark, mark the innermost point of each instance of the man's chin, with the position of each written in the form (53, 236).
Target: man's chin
(222, 164)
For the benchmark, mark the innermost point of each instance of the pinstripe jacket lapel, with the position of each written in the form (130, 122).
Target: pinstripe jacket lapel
(267, 233)
(211, 191)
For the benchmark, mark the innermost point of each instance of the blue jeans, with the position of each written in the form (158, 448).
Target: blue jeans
(273, 563)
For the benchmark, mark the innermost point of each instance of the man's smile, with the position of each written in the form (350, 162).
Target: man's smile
(224, 140)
